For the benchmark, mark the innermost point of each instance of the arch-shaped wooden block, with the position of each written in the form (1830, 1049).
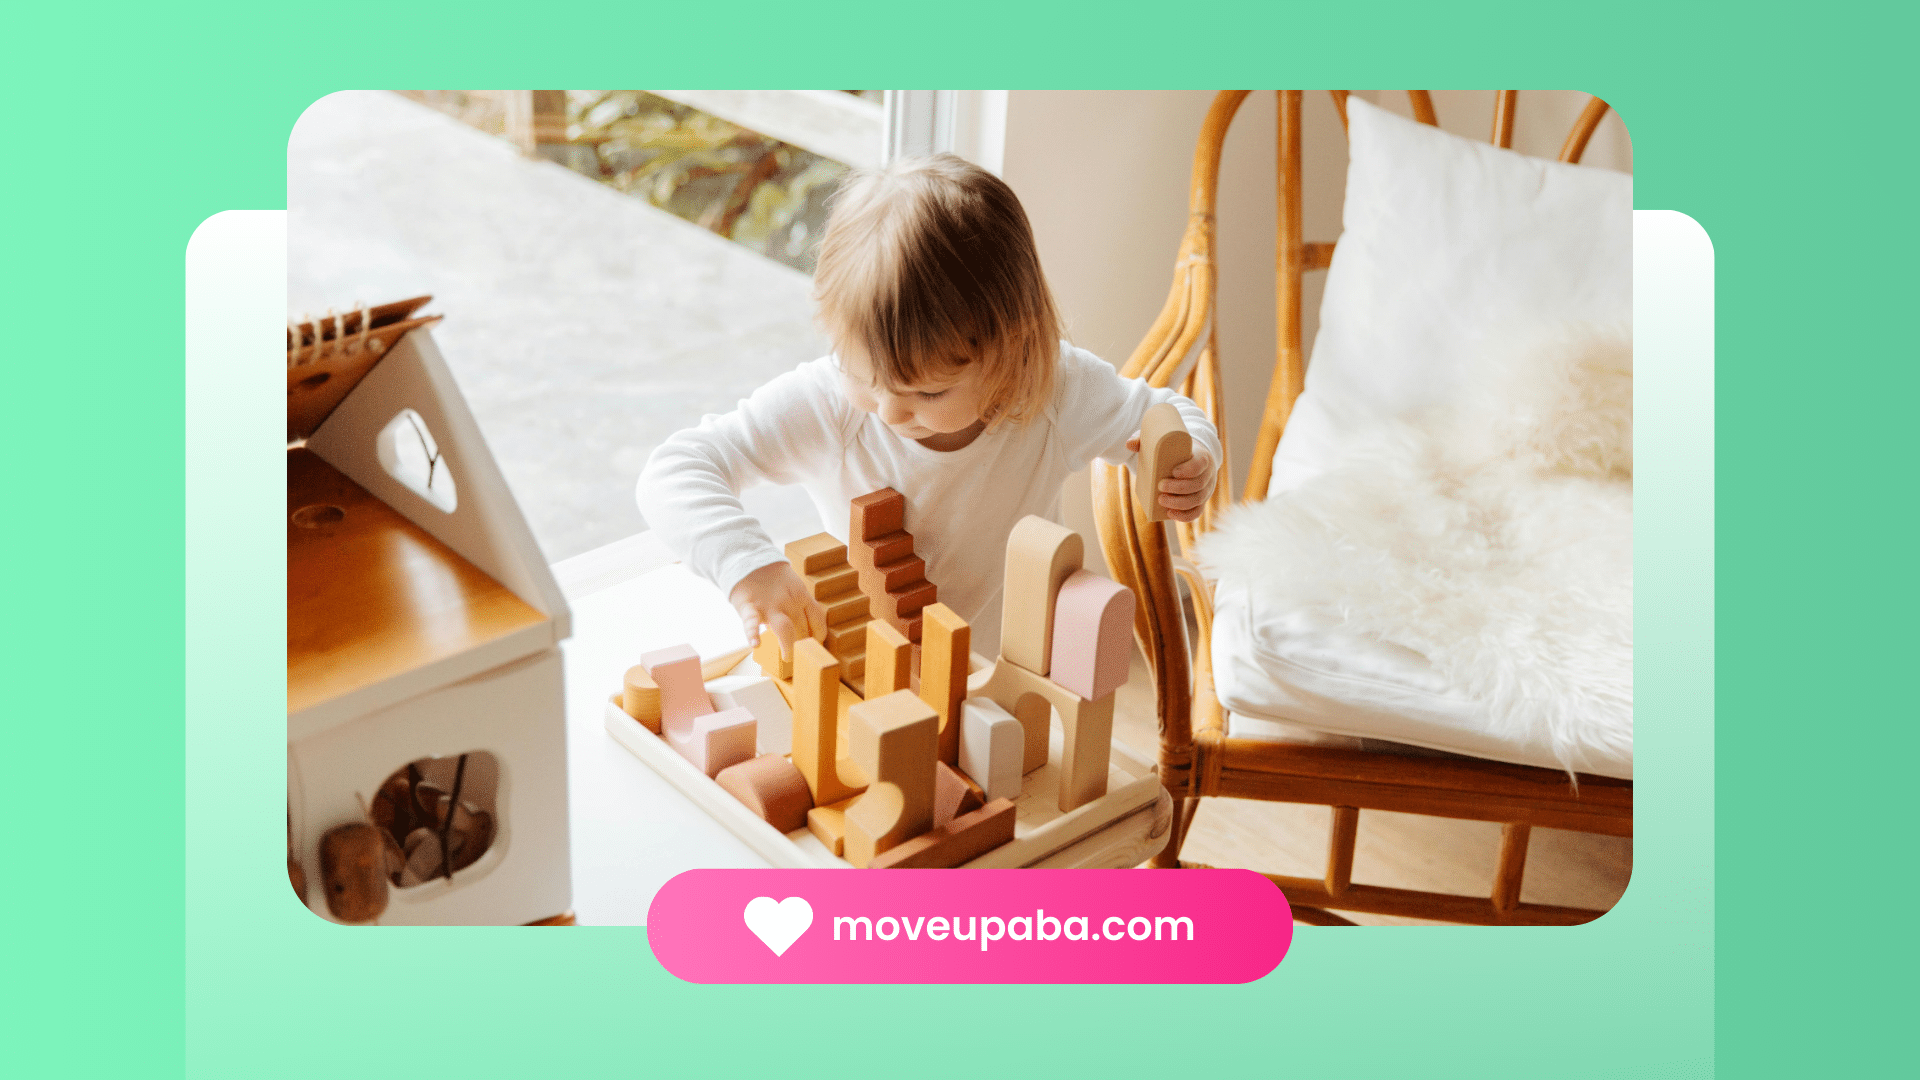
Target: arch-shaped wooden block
(1040, 556)
(772, 788)
(895, 739)
(1092, 634)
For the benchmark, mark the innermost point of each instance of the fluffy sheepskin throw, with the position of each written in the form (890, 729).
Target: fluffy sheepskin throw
(1494, 538)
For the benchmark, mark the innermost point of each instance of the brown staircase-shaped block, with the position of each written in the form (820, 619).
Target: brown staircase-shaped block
(893, 578)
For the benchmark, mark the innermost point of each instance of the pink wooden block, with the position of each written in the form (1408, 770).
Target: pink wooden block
(683, 694)
(1092, 633)
(714, 741)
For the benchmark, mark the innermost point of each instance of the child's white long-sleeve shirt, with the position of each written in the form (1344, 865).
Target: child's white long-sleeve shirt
(961, 504)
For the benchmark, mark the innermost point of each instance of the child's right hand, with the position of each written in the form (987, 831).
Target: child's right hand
(775, 596)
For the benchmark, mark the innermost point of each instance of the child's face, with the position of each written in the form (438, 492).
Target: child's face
(942, 405)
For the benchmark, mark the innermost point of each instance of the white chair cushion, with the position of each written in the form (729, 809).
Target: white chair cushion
(1450, 247)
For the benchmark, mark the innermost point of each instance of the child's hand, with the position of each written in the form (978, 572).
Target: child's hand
(775, 595)
(1186, 491)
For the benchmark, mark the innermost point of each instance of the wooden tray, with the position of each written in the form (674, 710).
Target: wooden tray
(1120, 828)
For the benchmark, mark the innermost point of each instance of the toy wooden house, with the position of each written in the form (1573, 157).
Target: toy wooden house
(426, 737)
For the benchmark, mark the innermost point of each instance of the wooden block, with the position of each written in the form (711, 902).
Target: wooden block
(1036, 724)
(772, 788)
(892, 547)
(713, 741)
(876, 514)
(945, 643)
(640, 698)
(834, 582)
(683, 693)
(759, 695)
(889, 659)
(1164, 444)
(894, 739)
(829, 823)
(845, 609)
(816, 553)
(1092, 634)
(992, 748)
(964, 839)
(848, 639)
(1040, 555)
(885, 578)
(1087, 727)
(816, 731)
(953, 795)
(905, 602)
(767, 655)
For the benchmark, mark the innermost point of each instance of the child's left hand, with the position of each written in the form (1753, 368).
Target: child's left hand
(1185, 492)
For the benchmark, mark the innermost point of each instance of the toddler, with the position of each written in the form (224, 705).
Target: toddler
(949, 383)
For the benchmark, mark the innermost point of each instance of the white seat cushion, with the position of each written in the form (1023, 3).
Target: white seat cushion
(1451, 249)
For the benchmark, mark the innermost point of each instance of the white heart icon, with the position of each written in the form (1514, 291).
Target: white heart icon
(780, 924)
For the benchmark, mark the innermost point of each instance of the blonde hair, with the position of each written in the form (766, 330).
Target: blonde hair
(928, 265)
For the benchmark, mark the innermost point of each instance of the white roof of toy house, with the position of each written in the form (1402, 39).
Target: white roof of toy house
(483, 527)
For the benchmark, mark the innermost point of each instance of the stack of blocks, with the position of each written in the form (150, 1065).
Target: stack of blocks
(883, 775)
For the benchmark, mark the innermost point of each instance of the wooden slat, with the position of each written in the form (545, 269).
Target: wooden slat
(1318, 256)
(1583, 129)
(1423, 107)
(1340, 838)
(1503, 103)
(1289, 368)
(1416, 904)
(1513, 866)
(1414, 799)
(1314, 916)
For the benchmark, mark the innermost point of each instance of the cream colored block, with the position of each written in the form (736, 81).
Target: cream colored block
(992, 746)
(759, 695)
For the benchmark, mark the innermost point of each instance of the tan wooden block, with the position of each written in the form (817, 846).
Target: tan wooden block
(1087, 727)
(1040, 555)
(833, 583)
(816, 731)
(889, 659)
(1036, 724)
(857, 682)
(964, 839)
(846, 609)
(894, 740)
(1164, 444)
(876, 514)
(945, 643)
(829, 823)
(640, 698)
(767, 655)
(953, 795)
(772, 788)
(848, 639)
(816, 553)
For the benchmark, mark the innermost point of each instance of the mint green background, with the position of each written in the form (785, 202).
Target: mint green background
(138, 944)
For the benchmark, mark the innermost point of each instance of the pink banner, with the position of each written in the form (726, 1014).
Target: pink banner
(969, 926)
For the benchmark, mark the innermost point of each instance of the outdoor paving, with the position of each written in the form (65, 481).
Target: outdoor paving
(584, 326)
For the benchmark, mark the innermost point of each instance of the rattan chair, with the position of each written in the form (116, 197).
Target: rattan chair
(1198, 758)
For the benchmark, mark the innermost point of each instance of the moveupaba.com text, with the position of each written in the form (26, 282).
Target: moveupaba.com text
(987, 929)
